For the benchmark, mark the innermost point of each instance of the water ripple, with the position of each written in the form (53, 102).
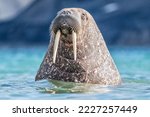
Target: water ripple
(17, 77)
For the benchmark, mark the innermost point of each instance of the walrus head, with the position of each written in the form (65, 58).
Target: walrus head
(77, 51)
(67, 25)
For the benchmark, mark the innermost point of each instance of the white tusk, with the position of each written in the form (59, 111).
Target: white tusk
(74, 37)
(56, 43)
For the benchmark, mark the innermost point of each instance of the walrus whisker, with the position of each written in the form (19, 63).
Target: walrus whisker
(74, 37)
(56, 43)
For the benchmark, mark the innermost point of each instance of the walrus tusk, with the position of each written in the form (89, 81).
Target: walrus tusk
(74, 37)
(56, 42)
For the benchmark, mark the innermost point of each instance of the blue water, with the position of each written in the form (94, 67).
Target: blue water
(18, 67)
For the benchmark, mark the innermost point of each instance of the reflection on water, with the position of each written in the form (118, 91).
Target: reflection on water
(70, 87)
(18, 67)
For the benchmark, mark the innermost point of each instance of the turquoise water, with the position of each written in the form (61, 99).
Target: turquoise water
(18, 67)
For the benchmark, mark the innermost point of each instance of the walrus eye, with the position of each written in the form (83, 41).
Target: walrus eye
(83, 16)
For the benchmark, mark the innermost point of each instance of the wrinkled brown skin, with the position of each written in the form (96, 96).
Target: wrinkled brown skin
(94, 63)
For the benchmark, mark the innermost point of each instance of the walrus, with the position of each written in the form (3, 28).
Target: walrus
(77, 51)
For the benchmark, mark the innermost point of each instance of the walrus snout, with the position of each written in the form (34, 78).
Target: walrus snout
(65, 25)
(66, 22)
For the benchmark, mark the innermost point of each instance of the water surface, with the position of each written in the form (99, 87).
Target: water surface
(18, 67)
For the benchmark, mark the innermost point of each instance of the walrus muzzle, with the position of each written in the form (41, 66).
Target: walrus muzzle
(64, 26)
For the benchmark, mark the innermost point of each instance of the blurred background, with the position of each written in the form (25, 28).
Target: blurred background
(122, 22)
